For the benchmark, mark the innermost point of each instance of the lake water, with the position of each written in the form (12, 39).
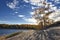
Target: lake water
(9, 31)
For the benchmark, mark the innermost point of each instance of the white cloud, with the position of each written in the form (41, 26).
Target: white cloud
(39, 3)
(32, 13)
(56, 0)
(21, 16)
(26, 1)
(33, 7)
(16, 12)
(13, 5)
(32, 23)
(3, 22)
(30, 20)
(35, 2)
(54, 8)
(57, 19)
(52, 0)
(46, 11)
(55, 15)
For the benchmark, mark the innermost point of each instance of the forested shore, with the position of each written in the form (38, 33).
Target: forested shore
(26, 26)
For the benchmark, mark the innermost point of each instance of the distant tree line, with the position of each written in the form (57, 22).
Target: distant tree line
(22, 26)
(27, 26)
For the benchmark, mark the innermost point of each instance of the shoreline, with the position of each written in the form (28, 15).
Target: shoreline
(9, 35)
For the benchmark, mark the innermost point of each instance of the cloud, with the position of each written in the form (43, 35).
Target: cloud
(32, 13)
(16, 12)
(54, 8)
(13, 5)
(55, 15)
(21, 16)
(26, 1)
(30, 20)
(3, 22)
(38, 3)
(33, 7)
(34, 2)
(57, 1)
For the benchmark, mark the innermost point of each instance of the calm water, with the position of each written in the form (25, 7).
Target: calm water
(9, 31)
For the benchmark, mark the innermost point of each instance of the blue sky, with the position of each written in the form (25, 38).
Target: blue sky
(20, 11)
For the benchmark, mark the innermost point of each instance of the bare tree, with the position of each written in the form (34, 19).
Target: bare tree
(41, 15)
